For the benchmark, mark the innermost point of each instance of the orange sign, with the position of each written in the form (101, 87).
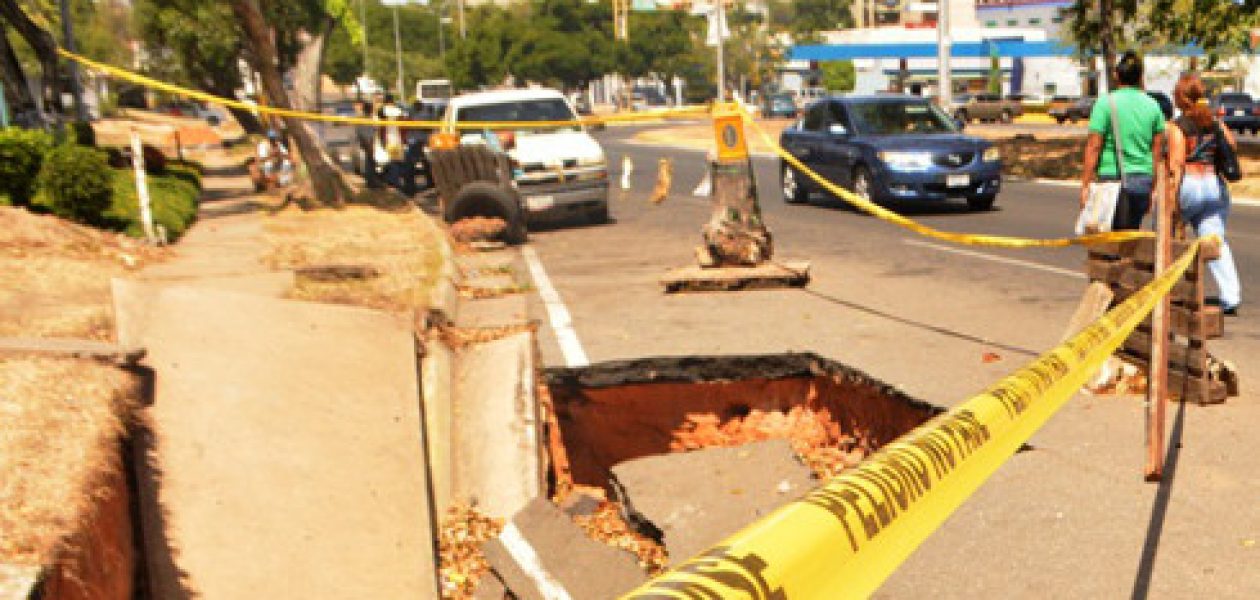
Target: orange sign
(728, 132)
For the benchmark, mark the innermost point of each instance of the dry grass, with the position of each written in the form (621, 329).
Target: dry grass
(54, 275)
(58, 447)
(398, 243)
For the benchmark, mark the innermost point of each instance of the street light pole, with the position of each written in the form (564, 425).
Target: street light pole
(398, 55)
(944, 79)
(441, 32)
(721, 66)
(463, 31)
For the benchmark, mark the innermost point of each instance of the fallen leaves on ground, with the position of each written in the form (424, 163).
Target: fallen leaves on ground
(814, 434)
(606, 525)
(462, 562)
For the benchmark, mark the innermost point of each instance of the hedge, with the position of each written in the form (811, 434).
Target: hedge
(172, 198)
(74, 183)
(22, 153)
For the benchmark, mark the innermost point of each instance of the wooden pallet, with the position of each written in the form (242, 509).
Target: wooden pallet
(1193, 373)
(718, 279)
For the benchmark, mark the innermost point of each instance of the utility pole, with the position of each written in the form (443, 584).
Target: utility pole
(402, 95)
(363, 26)
(943, 42)
(463, 30)
(76, 86)
(441, 33)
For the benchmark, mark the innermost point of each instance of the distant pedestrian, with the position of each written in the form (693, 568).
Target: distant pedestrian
(1138, 130)
(1195, 147)
(390, 148)
(365, 135)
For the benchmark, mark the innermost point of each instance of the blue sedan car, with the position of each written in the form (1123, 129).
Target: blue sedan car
(890, 148)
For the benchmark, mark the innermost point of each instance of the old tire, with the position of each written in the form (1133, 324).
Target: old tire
(981, 202)
(793, 190)
(484, 199)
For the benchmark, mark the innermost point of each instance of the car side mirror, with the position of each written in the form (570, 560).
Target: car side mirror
(837, 129)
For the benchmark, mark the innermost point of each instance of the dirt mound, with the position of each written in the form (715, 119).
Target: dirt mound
(59, 446)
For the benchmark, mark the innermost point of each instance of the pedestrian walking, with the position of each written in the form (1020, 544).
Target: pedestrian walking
(1126, 132)
(1197, 145)
(365, 135)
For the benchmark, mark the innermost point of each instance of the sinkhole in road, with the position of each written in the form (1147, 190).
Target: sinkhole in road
(604, 414)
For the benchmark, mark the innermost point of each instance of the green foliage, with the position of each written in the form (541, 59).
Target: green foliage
(805, 18)
(995, 75)
(75, 183)
(194, 43)
(21, 155)
(83, 134)
(172, 199)
(839, 75)
(1220, 27)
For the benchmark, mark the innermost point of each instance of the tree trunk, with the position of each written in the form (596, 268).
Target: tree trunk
(306, 70)
(17, 92)
(327, 183)
(1107, 15)
(44, 45)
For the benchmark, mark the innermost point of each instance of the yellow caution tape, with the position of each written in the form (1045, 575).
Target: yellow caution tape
(970, 239)
(845, 538)
(138, 79)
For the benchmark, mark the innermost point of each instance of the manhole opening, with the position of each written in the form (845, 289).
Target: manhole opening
(604, 414)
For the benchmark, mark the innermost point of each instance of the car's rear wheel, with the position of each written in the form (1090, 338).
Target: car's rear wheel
(793, 191)
(981, 202)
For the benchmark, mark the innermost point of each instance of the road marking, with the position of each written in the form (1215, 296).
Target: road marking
(527, 559)
(557, 313)
(1000, 259)
(705, 187)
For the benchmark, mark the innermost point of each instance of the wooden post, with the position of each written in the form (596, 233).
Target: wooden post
(735, 233)
(1157, 388)
(142, 187)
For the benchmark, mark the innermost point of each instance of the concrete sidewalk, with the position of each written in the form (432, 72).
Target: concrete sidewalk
(286, 453)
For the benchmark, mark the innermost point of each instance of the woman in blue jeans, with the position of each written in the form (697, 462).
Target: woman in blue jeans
(1202, 195)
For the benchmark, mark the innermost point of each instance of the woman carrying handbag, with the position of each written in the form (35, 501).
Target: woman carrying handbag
(1201, 155)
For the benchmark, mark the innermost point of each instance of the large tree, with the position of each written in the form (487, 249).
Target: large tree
(41, 42)
(327, 183)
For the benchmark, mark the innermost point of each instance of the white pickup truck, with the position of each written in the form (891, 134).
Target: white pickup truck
(559, 169)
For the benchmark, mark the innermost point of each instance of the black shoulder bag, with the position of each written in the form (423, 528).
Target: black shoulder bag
(1226, 158)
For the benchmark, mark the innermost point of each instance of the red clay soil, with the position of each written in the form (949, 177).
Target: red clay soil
(601, 427)
(100, 560)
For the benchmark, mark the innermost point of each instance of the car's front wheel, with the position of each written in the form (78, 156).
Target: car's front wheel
(1007, 117)
(793, 191)
(981, 202)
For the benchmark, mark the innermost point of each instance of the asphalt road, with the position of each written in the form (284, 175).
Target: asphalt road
(941, 322)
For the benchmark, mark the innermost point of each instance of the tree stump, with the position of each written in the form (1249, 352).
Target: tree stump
(735, 234)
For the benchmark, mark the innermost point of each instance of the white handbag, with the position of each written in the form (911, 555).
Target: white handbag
(1100, 206)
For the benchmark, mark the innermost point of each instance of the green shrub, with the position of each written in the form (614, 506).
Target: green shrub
(186, 170)
(21, 155)
(172, 199)
(83, 134)
(76, 183)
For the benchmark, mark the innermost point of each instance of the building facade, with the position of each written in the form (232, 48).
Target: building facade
(1046, 15)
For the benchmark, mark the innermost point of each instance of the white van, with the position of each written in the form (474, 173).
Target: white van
(559, 168)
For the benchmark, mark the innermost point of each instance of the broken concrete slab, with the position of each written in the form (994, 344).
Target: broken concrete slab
(542, 554)
(503, 311)
(290, 451)
(497, 453)
(696, 499)
(437, 375)
(490, 587)
(72, 348)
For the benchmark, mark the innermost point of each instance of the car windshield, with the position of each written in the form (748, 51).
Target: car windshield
(546, 109)
(1235, 98)
(892, 118)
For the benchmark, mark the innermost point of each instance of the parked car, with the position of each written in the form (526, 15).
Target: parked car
(558, 169)
(1238, 111)
(985, 107)
(1065, 108)
(887, 148)
(778, 105)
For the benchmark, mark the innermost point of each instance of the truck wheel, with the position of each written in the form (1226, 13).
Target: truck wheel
(483, 199)
(1060, 120)
(598, 215)
(793, 191)
(1007, 117)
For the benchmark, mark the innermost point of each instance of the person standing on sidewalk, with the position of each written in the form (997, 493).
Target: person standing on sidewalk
(1140, 126)
(365, 135)
(1202, 194)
